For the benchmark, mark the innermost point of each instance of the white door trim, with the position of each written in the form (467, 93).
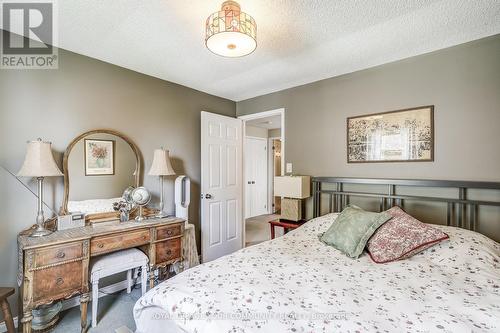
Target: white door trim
(245, 183)
(255, 137)
(245, 118)
(276, 112)
(270, 171)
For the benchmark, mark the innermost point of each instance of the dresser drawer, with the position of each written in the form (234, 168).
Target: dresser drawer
(59, 253)
(119, 241)
(168, 250)
(168, 231)
(57, 282)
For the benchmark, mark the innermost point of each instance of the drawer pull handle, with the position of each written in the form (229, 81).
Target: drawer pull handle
(59, 281)
(60, 254)
(169, 232)
(169, 252)
(100, 245)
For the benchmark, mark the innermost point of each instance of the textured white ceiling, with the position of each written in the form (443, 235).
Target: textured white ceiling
(299, 41)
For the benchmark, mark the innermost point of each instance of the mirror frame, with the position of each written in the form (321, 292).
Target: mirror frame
(135, 149)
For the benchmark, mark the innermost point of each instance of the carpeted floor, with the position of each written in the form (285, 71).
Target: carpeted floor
(257, 229)
(114, 315)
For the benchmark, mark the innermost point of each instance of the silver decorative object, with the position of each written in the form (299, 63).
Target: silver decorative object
(141, 197)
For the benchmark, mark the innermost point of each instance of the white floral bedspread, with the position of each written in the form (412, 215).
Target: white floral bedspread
(297, 284)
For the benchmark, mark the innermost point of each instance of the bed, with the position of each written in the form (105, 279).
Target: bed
(295, 283)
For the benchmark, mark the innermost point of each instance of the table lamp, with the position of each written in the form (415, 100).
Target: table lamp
(39, 162)
(161, 167)
(293, 189)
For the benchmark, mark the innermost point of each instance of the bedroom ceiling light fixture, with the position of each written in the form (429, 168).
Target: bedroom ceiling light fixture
(231, 32)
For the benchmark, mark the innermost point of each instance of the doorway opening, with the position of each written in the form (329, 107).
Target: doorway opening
(263, 159)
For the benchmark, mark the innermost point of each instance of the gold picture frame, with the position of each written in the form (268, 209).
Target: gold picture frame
(99, 157)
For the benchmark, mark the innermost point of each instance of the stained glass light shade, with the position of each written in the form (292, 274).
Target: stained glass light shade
(230, 32)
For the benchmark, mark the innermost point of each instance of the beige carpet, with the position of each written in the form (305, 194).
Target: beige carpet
(257, 229)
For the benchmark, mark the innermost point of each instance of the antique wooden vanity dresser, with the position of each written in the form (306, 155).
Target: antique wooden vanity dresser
(56, 266)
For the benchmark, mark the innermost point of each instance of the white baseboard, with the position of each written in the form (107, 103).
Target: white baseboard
(75, 301)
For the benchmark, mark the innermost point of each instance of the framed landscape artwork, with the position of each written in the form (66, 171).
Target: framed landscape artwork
(394, 136)
(99, 157)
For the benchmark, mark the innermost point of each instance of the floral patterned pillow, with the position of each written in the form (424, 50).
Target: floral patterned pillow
(402, 237)
(352, 229)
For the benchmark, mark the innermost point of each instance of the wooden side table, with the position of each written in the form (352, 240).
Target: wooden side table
(287, 225)
(7, 315)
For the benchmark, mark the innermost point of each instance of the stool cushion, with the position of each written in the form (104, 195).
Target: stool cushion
(130, 257)
(113, 263)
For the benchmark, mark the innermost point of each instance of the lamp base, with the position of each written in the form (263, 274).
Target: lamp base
(40, 232)
(291, 209)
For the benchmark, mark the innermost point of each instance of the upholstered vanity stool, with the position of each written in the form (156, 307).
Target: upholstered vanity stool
(113, 263)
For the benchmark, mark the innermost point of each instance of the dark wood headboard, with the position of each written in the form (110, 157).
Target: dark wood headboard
(461, 211)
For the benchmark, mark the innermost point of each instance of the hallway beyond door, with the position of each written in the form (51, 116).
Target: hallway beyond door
(257, 229)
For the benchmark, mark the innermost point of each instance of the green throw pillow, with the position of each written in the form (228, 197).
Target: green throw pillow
(352, 229)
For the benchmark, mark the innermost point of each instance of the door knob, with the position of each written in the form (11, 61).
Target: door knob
(208, 196)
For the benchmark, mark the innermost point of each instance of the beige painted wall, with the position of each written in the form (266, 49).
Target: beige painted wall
(463, 83)
(274, 133)
(257, 132)
(85, 94)
(261, 132)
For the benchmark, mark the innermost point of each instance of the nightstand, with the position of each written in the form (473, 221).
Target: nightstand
(287, 225)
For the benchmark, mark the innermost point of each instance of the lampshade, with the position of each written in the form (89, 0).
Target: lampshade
(161, 164)
(296, 187)
(39, 161)
(230, 32)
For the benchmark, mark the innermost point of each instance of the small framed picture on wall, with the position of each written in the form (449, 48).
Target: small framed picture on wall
(395, 136)
(99, 157)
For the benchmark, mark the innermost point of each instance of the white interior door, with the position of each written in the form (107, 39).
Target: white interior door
(255, 176)
(260, 179)
(221, 185)
(249, 175)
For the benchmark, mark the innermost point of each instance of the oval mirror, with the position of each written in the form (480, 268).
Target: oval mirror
(98, 166)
